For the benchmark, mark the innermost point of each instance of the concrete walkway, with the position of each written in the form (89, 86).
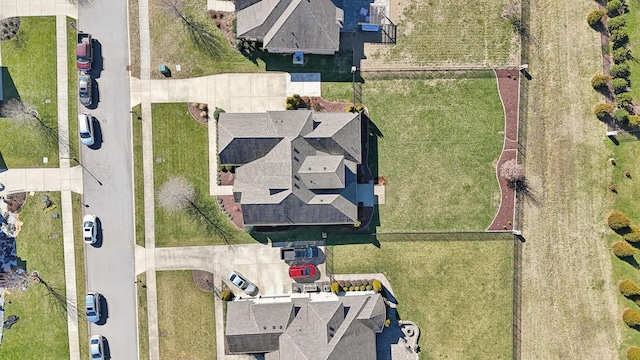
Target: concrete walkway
(10, 8)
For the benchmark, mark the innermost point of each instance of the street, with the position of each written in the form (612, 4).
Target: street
(110, 267)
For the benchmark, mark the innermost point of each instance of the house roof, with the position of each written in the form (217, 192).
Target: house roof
(325, 327)
(295, 167)
(288, 26)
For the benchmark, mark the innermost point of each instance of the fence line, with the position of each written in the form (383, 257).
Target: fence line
(445, 236)
(517, 295)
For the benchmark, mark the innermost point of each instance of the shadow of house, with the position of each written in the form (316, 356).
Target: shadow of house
(8, 88)
(309, 326)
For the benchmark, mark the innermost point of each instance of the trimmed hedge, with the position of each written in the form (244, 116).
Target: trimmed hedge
(628, 288)
(631, 318)
(622, 249)
(618, 221)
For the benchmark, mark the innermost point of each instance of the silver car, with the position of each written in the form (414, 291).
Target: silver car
(240, 281)
(92, 306)
(89, 229)
(84, 89)
(96, 347)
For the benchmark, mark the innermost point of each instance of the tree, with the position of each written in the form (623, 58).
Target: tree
(603, 110)
(616, 22)
(512, 171)
(202, 34)
(377, 285)
(26, 114)
(631, 318)
(624, 99)
(620, 37)
(618, 221)
(628, 288)
(619, 85)
(600, 82)
(633, 353)
(621, 55)
(615, 8)
(634, 120)
(176, 194)
(620, 71)
(622, 249)
(633, 234)
(594, 18)
(621, 115)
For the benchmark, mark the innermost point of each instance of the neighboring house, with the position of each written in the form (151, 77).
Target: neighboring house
(306, 326)
(295, 167)
(290, 26)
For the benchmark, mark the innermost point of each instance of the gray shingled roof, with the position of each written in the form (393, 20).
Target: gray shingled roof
(322, 328)
(295, 167)
(288, 26)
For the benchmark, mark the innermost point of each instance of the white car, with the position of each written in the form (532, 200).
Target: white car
(240, 281)
(85, 128)
(92, 306)
(89, 229)
(95, 345)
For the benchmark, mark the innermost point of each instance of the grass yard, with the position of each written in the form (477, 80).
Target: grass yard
(143, 319)
(449, 32)
(633, 25)
(81, 290)
(30, 75)
(186, 317)
(171, 45)
(459, 292)
(182, 144)
(73, 91)
(437, 152)
(566, 257)
(138, 176)
(626, 156)
(41, 332)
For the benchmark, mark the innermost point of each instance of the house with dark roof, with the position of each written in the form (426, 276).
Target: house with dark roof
(295, 167)
(290, 26)
(306, 326)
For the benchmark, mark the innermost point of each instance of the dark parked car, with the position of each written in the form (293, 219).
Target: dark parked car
(298, 253)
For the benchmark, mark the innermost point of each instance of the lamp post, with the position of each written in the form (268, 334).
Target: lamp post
(72, 25)
(85, 169)
(136, 114)
(140, 282)
(353, 84)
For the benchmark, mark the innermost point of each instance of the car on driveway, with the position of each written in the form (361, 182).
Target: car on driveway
(89, 229)
(240, 281)
(92, 306)
(96, 347)
(302, 271)
(298, 253)
(84, 89)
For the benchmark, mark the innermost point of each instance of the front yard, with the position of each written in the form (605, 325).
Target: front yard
(41, 332)
(458, 292)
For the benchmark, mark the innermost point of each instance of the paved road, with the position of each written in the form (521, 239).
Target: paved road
(110, 268)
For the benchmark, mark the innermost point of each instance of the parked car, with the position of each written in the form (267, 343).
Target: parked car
(302, 253)
(302, 271)
(92, 306)
(89, 229)
(84, 53)
(85, 128)
(84, 89)
(240, 281)
(96, 347)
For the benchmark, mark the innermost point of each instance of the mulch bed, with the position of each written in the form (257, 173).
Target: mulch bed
(195, 112)
(229, 206)
(508, 88)
(203, 280)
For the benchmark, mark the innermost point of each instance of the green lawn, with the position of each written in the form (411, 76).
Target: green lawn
(459, 292)
(81, 290)
(626, 155)
(41, 332)
(138, 178)
(143, 319)
(73, 91)
(30, 61)
(444, 32)
(182, 145)
(437, 152)
(633, 25)
(171, 45)
(185, 318)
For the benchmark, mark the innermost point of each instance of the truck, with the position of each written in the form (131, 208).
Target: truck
(298, 253)
(83, 51)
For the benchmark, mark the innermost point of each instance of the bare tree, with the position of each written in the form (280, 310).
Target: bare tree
(512, 172)
(174, 8)
(20, 111)
(14, 279)
(176, 194)
(202, 35)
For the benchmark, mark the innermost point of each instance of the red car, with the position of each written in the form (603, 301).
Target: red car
(302, 271)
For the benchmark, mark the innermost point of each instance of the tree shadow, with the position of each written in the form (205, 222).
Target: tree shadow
(211, 217)
(631, 261)
(523, 187)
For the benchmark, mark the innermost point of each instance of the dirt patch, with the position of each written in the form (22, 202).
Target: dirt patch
(199, 112)
(224, 22)
(203, 280)
(15, 202)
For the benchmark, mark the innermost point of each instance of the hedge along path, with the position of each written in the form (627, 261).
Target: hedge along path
(509, 90)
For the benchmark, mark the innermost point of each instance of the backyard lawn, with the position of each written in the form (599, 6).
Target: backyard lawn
(185, 318)
(458, 292)
(180, 148)
(442, 32)
(437, 152)
(41, 332)
(34, 44)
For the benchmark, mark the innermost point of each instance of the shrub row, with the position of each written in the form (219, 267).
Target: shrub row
(356, 285)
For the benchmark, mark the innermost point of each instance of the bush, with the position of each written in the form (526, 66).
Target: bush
(614, 8)
(634, 120)
(621, 115)
(600, 81)
(620, 37)
(628, 288)
(350, 108)
(618, 221)
(345, 288)
(226, 295)
(633, 235)
(377, 285)
(335, 287)
(359, 108)
(362, 287)
(624, 99)
(616, 22)
(631, 318)
(217, 112)
(622, 249)
(621, 55)
(289, 107)
(594, 18)
(619, 85)
(603, 110)
(512, 172)
(369, 287)
(633, 353)
(620, 71)
(352, 288)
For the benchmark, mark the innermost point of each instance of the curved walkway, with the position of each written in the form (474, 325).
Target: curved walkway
(509, 90)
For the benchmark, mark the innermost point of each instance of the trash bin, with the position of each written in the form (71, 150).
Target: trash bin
(164, 70)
